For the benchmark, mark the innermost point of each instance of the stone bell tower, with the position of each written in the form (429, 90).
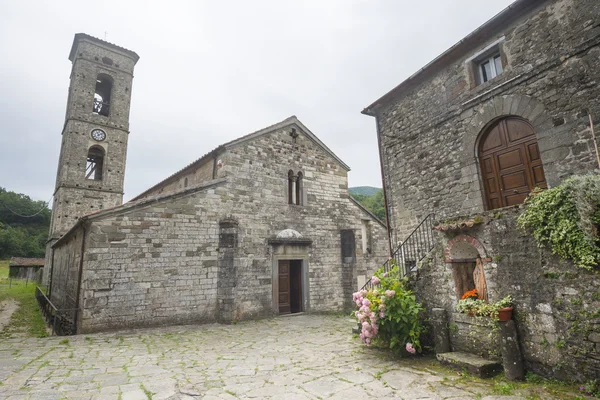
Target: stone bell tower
(91, 167)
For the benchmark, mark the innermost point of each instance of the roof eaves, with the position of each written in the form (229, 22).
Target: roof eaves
(293, 120)
(514, 9)
(136, 204)
(174, 176)
(367, 211)
(84, 36)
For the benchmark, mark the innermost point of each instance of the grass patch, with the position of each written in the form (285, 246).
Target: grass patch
(504, 388)
(148, 393)
(535, 387)
(27, 320)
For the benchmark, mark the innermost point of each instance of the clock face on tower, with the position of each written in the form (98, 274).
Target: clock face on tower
(98, 135)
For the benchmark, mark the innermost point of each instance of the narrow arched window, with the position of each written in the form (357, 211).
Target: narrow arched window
(95, 163)
(290, 187)
(299, 189)
(185, 182)
(104, 84)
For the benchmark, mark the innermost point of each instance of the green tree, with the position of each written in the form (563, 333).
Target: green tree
(24, 225)
(374, 203)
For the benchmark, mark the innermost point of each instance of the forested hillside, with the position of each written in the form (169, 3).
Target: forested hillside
(363, 190)
(373, 203)
(24, 225)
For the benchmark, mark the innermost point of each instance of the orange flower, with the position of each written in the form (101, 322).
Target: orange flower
(471, 294)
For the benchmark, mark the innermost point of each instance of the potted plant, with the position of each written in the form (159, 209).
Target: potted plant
(470, 303)
(504, 308)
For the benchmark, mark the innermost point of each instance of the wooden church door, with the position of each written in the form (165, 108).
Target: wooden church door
(510, 163)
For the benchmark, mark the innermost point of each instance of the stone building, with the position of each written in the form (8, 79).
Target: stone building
(503, 111)
(91, 166)
(259, 226)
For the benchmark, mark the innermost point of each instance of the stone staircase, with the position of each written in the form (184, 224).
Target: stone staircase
(472, 364)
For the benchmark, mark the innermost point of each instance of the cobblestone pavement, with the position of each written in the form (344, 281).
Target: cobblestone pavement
(299, 357)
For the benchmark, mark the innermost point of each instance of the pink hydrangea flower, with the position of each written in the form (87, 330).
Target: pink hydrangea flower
(366, 302)
(381, 314)
(410, 348)
(385, 274)
(375, 280)
(390, 293)
(368, 341)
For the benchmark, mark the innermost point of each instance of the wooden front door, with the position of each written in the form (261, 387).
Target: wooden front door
(510, 163)
(462, 272)
(296, 286)
(284, 287)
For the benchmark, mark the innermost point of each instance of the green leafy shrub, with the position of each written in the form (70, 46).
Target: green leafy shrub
(566, 219)
(390, 314)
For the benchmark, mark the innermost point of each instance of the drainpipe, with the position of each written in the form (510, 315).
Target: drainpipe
(385, 201)
(80, 276)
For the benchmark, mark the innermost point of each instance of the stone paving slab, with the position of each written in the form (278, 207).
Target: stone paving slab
(301, 357)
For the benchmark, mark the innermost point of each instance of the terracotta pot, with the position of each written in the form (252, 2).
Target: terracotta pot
(505, 314)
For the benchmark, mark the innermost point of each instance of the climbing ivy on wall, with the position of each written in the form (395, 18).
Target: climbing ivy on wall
(566, 218)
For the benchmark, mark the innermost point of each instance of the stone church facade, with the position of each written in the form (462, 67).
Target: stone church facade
(503, 111)
(260, 226)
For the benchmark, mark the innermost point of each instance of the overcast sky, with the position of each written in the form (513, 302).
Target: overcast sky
(211, 71)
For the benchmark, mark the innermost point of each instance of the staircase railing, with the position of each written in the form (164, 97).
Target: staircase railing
(63, 322)
(416, 246)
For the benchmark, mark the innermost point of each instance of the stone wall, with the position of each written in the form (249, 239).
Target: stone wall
(168, 258)
(202, 170)
(76, 196)
(557, 309)
(152, 264)
(428, 132)
(258, 171)
(64, 271)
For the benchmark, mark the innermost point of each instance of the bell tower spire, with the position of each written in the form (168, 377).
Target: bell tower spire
(91, 166)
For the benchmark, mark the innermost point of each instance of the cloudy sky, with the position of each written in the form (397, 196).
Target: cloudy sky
(211, 71)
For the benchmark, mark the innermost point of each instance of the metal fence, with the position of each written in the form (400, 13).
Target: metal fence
(416, 246)
(16, 282)
(62, 321)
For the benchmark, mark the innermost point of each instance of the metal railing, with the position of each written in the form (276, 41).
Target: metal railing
(416, 246)
(62, 321)
(16, 281)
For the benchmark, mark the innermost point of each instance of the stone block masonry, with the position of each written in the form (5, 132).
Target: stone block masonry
(557, 305)
(204, 253)
(429, 131)
(78, 191)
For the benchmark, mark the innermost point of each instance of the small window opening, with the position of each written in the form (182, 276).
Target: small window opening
(490, 67)
(299, 189)
(185, 182)
(95, 163)
(291, 180)
(366, 236)
(102, 95)
(348, 246)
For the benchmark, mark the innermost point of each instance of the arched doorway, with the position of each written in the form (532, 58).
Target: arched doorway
(510, 162)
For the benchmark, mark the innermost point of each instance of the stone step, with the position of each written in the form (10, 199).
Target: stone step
(473, 364)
